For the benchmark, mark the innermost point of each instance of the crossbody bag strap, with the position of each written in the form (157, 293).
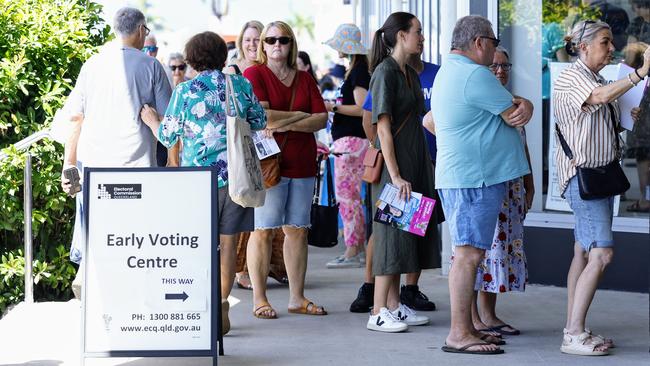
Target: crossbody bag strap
(399, 129)
(612, 113)
(565, 146)
(563, 143)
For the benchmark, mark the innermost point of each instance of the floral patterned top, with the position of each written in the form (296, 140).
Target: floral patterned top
(197, 115)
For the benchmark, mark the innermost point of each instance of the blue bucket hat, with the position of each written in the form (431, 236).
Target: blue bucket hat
(347, 40)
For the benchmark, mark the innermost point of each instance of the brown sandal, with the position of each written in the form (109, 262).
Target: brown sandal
(265, 307)
(309, 308)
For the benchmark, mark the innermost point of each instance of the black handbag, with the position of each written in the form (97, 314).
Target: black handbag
(324, 229)
(603, 181)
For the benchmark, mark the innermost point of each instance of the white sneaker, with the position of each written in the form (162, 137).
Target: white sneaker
(409, 316)
(384, 321)
(343, 262)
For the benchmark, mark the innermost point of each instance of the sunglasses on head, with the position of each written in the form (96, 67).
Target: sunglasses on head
(180, 67)
(273, 40)
(149, 49)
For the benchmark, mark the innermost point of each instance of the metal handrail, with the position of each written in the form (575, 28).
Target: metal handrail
(28, 141)
(24, 144)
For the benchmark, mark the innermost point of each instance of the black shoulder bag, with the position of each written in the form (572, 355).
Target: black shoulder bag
(324, 229)
(603, 181)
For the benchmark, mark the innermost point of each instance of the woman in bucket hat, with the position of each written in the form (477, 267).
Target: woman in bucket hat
(350, 143)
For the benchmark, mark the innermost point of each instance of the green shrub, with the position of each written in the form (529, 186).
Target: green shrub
(43, 44)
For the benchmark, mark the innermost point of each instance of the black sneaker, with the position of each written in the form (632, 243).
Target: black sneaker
(365, 299)
(411, 296)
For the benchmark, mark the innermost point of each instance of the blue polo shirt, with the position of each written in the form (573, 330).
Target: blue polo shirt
(476, 147)
(427, 76)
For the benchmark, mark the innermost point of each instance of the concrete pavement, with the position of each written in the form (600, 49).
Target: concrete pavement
(48, 334)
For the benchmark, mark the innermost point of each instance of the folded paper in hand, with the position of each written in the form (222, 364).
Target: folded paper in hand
(412, 216)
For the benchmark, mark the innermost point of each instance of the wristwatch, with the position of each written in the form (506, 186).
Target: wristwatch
(335, 108)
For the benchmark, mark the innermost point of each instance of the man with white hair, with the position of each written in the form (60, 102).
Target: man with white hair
(150, 46)
(479, 150)
(111, 89)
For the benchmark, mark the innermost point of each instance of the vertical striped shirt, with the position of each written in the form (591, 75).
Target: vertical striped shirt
(587, 128)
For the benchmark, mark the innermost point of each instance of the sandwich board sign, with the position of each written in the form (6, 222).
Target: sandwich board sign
(151, 263)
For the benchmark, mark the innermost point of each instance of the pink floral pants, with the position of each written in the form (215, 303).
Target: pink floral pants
(349, 170)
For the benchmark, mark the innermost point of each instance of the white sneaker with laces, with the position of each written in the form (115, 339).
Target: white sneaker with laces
(384, 321)
(409, 316)
(343, 262)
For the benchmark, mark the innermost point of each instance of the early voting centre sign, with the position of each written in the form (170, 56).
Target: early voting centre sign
(151, 266)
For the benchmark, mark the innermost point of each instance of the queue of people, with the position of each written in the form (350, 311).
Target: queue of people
(454, 132)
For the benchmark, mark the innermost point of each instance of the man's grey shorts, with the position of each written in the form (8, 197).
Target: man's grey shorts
(472, 213)
(233, 218)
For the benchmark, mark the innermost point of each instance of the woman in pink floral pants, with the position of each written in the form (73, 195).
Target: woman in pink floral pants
(350, 143)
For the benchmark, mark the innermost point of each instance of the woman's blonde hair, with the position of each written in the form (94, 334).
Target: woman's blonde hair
(250, 24)
(287, 31)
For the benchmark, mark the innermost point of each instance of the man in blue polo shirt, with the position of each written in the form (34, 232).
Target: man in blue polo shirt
(479, 149)
(410, 294)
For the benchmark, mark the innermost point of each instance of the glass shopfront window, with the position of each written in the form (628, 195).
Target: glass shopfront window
(533, 32)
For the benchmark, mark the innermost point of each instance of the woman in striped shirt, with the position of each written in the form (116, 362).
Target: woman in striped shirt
(586, 113)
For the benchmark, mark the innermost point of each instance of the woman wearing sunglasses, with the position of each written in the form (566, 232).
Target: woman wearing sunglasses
(281, 89)
(178, 66)
(247, 43)
(587, 113)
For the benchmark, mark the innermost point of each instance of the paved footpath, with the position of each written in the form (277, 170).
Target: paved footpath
(48, 334)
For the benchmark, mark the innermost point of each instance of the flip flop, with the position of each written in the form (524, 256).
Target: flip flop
(498, 342)
(636, 207)
(464, 349)
(308, 308)
(499, 329)
(262, 308)
(484, 330)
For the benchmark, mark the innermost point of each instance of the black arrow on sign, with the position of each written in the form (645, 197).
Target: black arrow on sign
(182, 296)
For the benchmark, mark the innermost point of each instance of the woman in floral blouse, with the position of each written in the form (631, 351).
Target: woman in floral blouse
(197, 115)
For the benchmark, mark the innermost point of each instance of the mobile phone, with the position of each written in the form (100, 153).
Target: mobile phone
(73, 175)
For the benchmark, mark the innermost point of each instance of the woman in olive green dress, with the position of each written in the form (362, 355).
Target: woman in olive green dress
(398, 106)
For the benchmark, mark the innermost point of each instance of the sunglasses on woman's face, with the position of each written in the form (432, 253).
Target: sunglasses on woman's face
(272, 40)
(180, 67)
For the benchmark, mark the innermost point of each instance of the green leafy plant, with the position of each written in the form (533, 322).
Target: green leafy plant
(43, 45)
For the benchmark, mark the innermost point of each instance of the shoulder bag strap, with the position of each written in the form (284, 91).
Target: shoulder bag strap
(316, 198)
(331, 198)
(294, 86)
(230, 96)
(237, 70)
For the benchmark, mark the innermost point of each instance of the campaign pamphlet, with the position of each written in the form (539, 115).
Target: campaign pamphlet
(412, 216)
(264, 145)
(629, 100)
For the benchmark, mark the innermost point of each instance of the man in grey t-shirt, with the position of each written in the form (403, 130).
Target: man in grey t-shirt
(112, 87)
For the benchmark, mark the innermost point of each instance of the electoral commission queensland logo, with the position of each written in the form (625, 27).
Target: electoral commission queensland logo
(119, 191)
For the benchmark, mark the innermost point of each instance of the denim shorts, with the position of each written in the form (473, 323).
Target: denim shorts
(288, 203)
(472, 213)
(593, 218)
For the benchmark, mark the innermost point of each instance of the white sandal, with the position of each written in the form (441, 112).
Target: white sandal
(582, 344)
(609, 343)
(597, 337)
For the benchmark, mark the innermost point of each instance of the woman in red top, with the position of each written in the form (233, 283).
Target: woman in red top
(275, 79)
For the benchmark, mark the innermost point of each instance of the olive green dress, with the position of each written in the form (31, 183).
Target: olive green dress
(397, 251)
